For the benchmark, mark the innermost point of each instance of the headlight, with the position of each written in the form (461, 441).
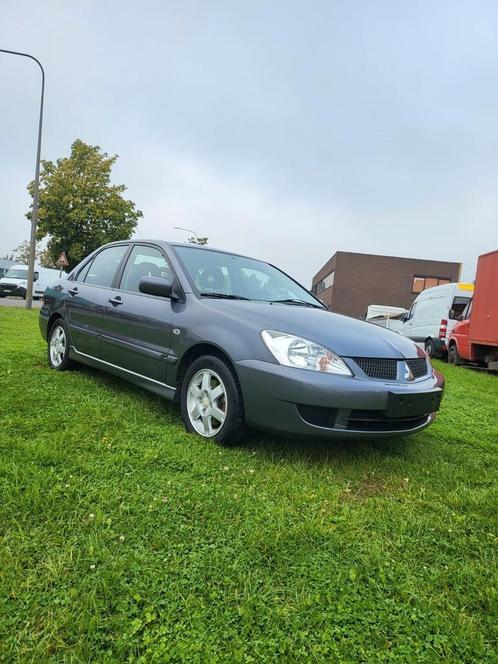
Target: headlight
(293, 351)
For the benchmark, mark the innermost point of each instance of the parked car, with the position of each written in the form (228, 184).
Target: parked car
(236, 341)
(475, 337)
(386, 316)
(15, 280)
(433, 315)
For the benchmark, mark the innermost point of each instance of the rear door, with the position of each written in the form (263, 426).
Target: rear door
(87, 297)
(137, 327)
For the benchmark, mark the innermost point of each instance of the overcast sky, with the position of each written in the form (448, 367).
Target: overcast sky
(284, 130)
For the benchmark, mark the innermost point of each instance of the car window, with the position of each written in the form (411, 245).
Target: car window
(102, 269)
(144, 262)
(458, 306)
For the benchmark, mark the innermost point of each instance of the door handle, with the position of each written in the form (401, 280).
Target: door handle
(116, 300)
(74, 290)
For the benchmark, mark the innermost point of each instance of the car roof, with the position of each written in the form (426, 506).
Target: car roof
(166, 243)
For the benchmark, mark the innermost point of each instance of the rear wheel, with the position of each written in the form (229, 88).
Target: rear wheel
(454, 355)
(211, 402)
(58, 346)
(429, 347)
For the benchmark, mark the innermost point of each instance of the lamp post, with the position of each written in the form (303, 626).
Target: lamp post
(180, 228)
(34, 215)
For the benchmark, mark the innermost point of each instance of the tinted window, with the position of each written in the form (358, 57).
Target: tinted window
(144, 262)
(102, 269)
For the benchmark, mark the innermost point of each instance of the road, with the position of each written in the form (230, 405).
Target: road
(17, 302)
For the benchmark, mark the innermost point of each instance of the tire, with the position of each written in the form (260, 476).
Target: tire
(454, 356)
(58, 346)
(211, 401)
(429, 348)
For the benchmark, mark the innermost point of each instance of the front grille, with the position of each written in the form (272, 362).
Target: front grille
(387, 369)
(418, 367)
(384, 369)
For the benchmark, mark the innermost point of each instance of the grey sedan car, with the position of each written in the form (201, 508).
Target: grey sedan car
(236, 342)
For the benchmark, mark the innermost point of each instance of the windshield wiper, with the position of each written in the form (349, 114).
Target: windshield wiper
(224, 296)
(299, 302)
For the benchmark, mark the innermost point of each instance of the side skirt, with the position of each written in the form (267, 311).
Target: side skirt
(146, 383)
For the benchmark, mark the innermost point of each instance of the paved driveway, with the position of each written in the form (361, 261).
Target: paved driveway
(17, 302)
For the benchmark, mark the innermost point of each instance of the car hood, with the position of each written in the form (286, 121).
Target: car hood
(345, 336)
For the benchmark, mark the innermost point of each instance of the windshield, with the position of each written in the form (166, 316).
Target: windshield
(17, 273)
(216, 273)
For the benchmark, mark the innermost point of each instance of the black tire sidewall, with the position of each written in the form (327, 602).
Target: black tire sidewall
(66, 362)
(233, 426)
(453, 357)
(429, 348)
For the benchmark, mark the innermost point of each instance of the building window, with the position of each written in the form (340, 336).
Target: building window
(420, 283)
(324, 283)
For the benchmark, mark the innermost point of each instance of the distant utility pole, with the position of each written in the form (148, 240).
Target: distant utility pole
(34, 215)
(180, 228)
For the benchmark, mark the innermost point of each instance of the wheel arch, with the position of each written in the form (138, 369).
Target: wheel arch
(55, 316)
(195, 351)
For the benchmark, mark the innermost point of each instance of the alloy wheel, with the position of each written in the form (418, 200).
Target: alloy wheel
(207, 402)
(57, 346)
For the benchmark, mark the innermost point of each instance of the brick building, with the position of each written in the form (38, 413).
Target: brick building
(349, 282)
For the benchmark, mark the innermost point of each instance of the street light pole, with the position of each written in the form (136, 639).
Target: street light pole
(34, 215)
(180, 228)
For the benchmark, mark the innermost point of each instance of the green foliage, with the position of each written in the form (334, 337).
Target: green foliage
(123, 539)
(79, 208)
(198, 240)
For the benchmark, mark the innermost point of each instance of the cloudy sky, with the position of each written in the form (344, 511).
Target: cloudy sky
(285, 130)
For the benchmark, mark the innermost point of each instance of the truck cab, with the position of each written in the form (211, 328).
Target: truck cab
(475, 337)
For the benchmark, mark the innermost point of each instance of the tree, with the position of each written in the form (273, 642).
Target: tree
(79, 209)
(21, 253)
(198, 240)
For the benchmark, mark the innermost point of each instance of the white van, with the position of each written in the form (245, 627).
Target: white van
(434, 314)
(15, 280)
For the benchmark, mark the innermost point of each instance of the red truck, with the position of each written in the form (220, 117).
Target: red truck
(475, 337)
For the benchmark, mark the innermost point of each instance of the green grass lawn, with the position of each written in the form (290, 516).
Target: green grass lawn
(124, 539)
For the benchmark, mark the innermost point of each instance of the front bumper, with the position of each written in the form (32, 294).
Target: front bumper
(305, 403)
(12, 289)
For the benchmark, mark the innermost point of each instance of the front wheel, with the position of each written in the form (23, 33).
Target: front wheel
(454, 355)
(58, 346)
(211, 402)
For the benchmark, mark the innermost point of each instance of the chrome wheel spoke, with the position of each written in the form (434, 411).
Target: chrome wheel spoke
(206, 423)
(217, 392)
(218, 414)
(206, 381)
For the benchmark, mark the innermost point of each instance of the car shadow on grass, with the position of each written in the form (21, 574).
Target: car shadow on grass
(332, 451)
(273, 447)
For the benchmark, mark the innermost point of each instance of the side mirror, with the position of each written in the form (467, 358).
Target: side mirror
(403, 317)
(156, 286)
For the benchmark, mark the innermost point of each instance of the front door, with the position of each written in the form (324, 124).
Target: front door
(136, 333)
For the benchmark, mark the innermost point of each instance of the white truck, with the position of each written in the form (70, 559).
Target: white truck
(433, 315)
(15, 281)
